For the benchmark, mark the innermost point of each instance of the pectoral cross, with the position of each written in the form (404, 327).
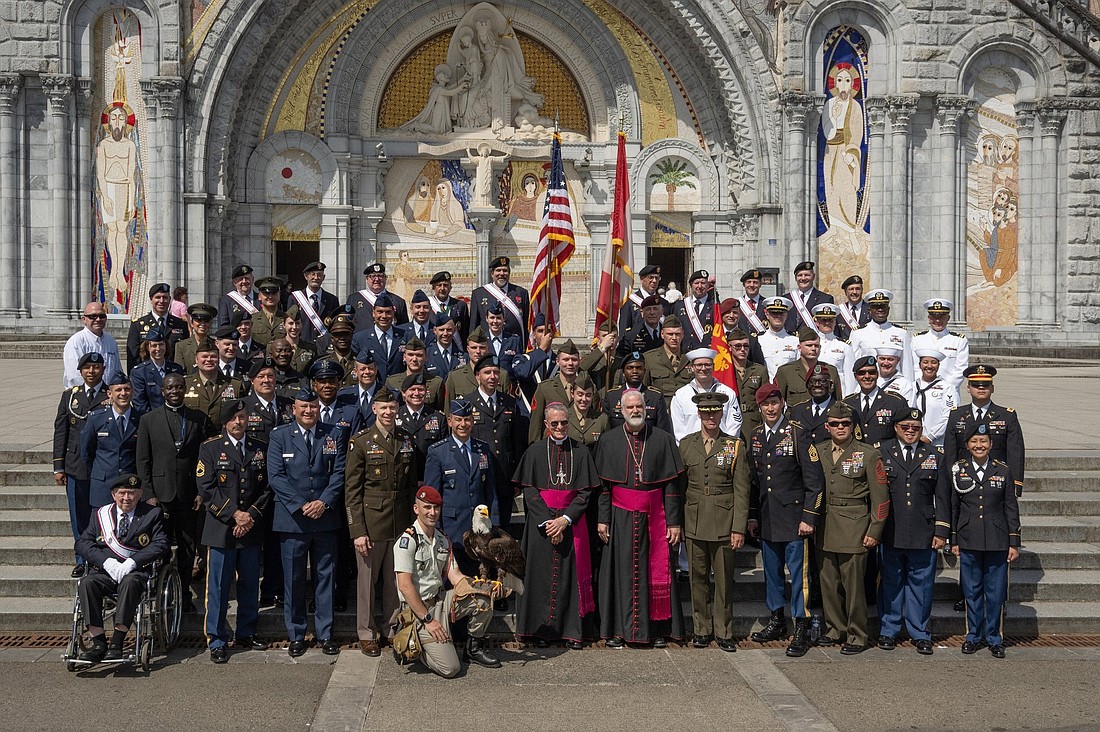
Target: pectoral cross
(561, 475)
(638, 473)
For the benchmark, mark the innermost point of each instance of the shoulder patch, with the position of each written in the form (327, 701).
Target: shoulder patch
(200, 469)
(814, 457)
(403, 542)
(880, 477)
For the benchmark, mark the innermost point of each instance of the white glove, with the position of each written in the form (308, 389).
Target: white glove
(111, 566)
(126, 568)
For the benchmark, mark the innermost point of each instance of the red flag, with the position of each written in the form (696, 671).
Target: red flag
(617, 275)
(556, 245)
(723, 360)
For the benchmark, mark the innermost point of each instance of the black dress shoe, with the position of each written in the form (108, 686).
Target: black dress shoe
(969, 647)
(851, 649)
(660, 642)
(78, 571)
(541, 643)
(727, 645)
(329, 647)
(826, 641)
(700, 641)
(574, 645)
(250, 644)
(94, 654)
(997, 651)
(924, 647)
(114, 655)
(615, 642)
(960, 606)
(219, 654)
(296, 648)
(887, 643)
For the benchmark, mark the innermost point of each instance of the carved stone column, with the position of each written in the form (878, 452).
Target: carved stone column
(166, 253)
(83, 176)
(947, 260)
(1044, 304)
(1030, 246)
(483, 220)
(59, 92)
(878, 165)
(902, 109)
(796, 172)
(10, 250)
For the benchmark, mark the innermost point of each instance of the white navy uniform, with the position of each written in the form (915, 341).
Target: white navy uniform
(838, 352)
(778, 349)
(936, 400)
(901, 386)
(955, 348)
(684, 413)
(873, 336)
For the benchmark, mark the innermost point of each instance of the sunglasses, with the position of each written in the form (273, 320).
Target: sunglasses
(866, 372)
(971, 383)
(909, 427)
(739, 347)
(839, 423)
(96, 316)
(558, 423)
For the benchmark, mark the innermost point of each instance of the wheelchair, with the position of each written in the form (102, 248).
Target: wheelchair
(157, 622)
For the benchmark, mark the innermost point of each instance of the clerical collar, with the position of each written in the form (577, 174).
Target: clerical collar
(558, 442)
(171, 408)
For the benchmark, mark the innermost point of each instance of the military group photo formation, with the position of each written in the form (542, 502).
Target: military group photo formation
(453, 338)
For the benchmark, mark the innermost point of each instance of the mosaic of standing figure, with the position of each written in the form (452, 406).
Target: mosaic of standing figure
(843, 195)
(993, 203)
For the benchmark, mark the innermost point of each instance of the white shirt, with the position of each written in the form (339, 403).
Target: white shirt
(955, 348)
(872, 336)
(900, 386)
(684, 413)
(85, 341)
(838, 353)
(778, 348)
(940, 397)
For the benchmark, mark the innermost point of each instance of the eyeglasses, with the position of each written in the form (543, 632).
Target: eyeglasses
(839, 423)
(909, 427)
(739, 346)
(558, 422)
(866, 372)
(96, 316)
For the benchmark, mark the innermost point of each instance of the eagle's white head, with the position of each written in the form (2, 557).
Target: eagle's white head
(481, 524)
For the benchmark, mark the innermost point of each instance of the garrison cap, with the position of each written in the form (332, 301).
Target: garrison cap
(839, 410)
(477, 335)
(569, 348)
(807, 334)
(439, 319)
(384, 396)
(154, 335)
(461, 408)
(365, 357)
(539, 321)
(420, 296)
(118, 379)
(384, 301)
(205, 345)
(305, 394)
(414, 344)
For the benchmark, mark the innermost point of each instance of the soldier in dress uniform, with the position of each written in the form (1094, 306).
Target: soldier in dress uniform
(462, 467)
(173, 328)
(168, 442)
(497, 423)
(208, 388)
(501, 290)
(834, 350)
(443, 304)
(145, 378)
(232, 484)
(505, 346)
(362, 303)
(804, 297)
(420, 318)
(267, 322)
(587, 420)
(985, 535)
(379, 484)
(786, 502)
(935, 397)
(751, 318)
(248, 348)
(810, 416)
(645, 333)
(890, 379)
(414, 357)
(716, 510)
(361, 394)
(242, 298)
(881, 332)
(649, 280)
(304, 354)
(791, 377)
(953, 345)
(875, 410)
(340, 349)
(108, 442)
(232, 366)
(634, 373)
(776, 345)
(423, 424)
(857, 502)
(1004, 425)
(68, 469)
(306, 471)
(463, 380)
(557, 388)
(750, 377)
(385, 339)
(696, 311)
(853, 313)
(443, 354)
(916, 529)
(313, 302)
(602, 363)
(730, 311)
(530, 369)
(202, 317)
(288, 380)
(666, 367)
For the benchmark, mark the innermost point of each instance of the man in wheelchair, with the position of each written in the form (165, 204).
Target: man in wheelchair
(122, 541)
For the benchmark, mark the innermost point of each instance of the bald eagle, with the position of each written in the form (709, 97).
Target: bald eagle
(495, 549)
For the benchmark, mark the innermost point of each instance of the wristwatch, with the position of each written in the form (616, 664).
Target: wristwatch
(427, 618)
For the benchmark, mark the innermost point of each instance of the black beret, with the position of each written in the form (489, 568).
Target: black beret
(806, 266)
(226, 331)
(853, 280)
(260, 365)
(649, 269)
(500, 262)
(90, 357)
(231, 408)
(412, 380)
(126, 480)
(159, 287)
(865, 362)
(314, 267)
(241, 270)
(438, 277)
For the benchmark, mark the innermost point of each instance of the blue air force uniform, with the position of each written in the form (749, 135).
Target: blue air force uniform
(72, 413)
(146, 379)
(298, 474)
(232, 479)
(920, 508)
(108, 450)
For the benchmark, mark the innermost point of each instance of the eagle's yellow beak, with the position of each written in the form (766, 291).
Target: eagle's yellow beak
(483, 511)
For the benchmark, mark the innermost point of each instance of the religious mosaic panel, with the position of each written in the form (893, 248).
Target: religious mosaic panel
(992, 203)
(673, 185)
(843, 196)
(119, 129)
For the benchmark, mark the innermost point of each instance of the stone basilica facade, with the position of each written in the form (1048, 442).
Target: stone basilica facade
(939, 148)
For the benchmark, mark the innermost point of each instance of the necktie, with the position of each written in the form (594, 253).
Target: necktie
(752, 305)
(837, 452)
(326, 415)
(908, 454)
(316, 301)
(980, 474)
(708, 444)
(817, 411)
(385, 340)
(443, 306)
(466, 455)
(699, 307)
(866, 402)
(240, 449)
(981, 414)
(89, 394)
(228, 371)
(492, 404)
(309, 443)
(496, 346)
(122, 424)
(123, 525)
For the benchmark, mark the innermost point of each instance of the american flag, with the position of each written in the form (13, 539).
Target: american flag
(617, 276)
(556, 245)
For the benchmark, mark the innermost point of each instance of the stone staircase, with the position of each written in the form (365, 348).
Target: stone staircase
(1055, 586)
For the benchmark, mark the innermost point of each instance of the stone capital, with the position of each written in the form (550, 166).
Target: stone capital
(58, 90)
(875, 109)
(950, 110)
(902, 109)
(1050, 119)
(167, 91)
(10, 84)
(746, 225)
(797, 107)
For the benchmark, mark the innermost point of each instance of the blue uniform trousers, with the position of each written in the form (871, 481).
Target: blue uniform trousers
(796, 556)
(908, 577)
(320, 548)
(80, 507)
(984, 578)
(223, 566)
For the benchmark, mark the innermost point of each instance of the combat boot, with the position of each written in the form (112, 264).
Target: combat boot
(801, 641)
(776, 629)
(476, 652)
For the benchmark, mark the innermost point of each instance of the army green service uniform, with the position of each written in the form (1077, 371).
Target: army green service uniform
(207, 397)
(664, 374)
(433, 399)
